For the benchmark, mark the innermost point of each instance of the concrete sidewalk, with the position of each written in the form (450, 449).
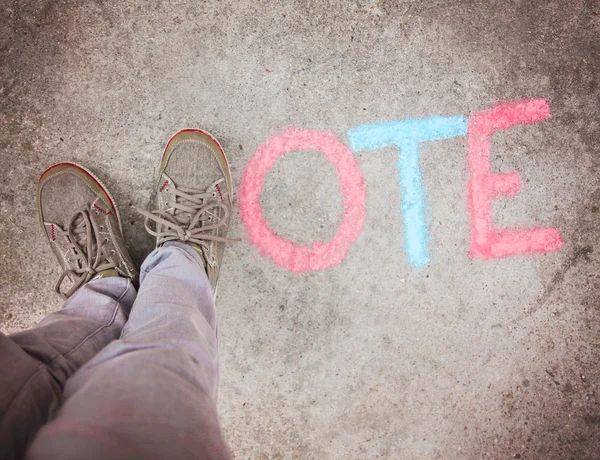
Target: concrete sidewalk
(373, 356)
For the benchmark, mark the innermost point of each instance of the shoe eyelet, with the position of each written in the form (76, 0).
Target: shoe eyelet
(101, 227)
(214, 194)
(113, 252)
(105, 240)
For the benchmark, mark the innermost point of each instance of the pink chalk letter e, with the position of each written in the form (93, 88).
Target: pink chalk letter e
(488, 242)
(285, 253)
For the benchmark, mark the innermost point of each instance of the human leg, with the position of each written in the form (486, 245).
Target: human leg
(152, 394)
(35, 364)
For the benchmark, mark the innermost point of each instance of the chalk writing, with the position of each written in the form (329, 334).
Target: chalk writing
(285, 253)
(406, 135)
(487, 242)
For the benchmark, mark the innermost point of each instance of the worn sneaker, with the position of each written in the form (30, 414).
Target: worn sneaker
(194, 198)
(82, 223)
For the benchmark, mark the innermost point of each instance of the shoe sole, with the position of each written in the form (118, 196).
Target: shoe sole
(85, 174)
(205, 138)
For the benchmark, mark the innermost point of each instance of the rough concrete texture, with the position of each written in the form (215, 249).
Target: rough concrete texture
(371, 358)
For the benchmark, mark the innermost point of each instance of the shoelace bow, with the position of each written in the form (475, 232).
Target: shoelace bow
(85, 243)
(191, 209)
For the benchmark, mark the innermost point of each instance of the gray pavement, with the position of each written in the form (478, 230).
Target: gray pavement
(372, 357)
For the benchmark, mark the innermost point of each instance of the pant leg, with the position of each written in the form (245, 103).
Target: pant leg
(35, 364)
(152, 394)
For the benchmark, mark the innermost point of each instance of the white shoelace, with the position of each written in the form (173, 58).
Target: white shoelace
(84, 242)
(185, 219)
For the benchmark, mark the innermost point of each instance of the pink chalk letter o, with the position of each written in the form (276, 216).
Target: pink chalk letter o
(285, 253)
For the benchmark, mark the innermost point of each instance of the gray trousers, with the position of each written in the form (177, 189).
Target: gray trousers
(114, 375)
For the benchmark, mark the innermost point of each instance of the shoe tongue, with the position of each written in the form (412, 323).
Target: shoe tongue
(76, 222)
(106, 274)
(80, 237)
(185, 216)
(198, 250)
